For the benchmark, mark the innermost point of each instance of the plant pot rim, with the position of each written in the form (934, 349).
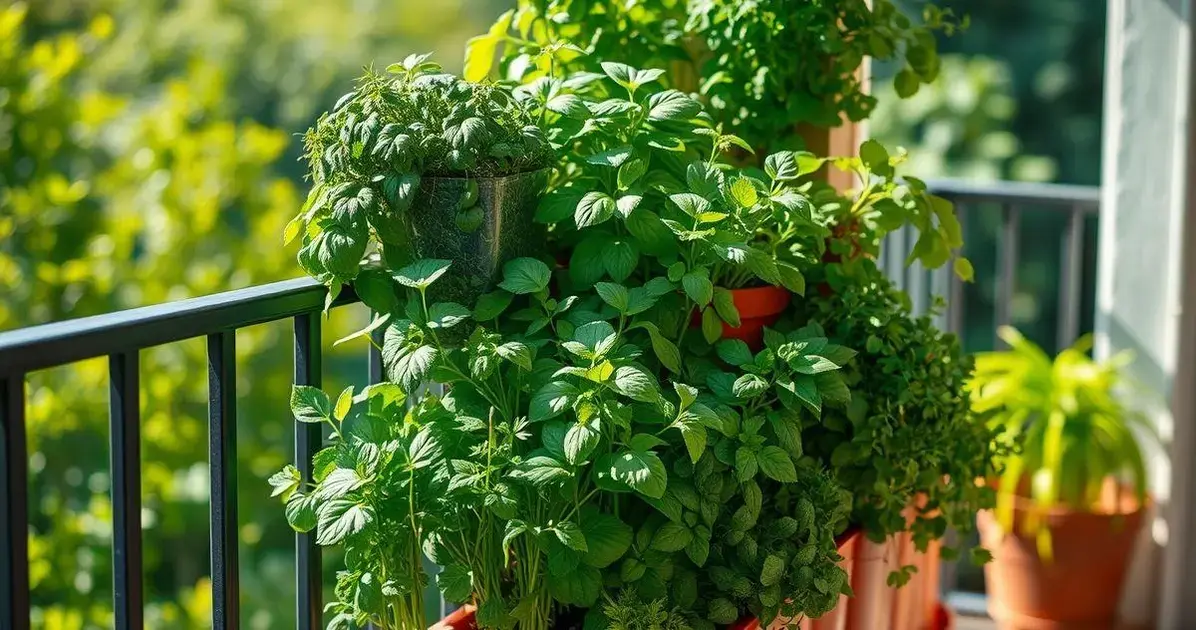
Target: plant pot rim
(1122, 502)
(451, 178)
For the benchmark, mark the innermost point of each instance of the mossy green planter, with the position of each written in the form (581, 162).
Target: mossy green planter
(479, 224)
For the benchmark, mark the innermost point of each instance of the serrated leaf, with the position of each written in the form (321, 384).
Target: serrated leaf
(672, 105)
(724, 305)
(446, 315)
(734, 352)
(607, 539)
(613, 158)
(339, 519)
(570, 535)
(743, 192)
(671, 537)
(776, 464)
(551, 400)
(781, 166)
(310, 404)
(593, 209)
(698, 287)
(456, 582)
(580, 442)
(525, 275)
(422, 273)
(636, 384)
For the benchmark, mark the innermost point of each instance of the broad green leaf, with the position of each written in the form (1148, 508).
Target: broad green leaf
(343, 403)
(745, 464)
(491, 305)
(593, 209)
(580, 442)
(963, 269)
(422, 273)
(424, 449)
(774, 568)
(743, 192)
(627, 204)
(749, 386)
(446, 314)
(607, 539)
(776, 464)
(480, 51)
(630, 172)
(690, 204)
(613, 158)
(781, 166)
(641, 471)
(636, 384)
(551, 400)
(580, 587)
(518, 353)
(615, 295)
(525, 275)
(542, 471)
(406, 365)
(285, 482)
(807, 162)
(310, 404)
(874, 155)
(694, 435)
(671, 537)
(724, 305)
(376, 290)
(456, 582)
(734, 351)
(570, 535)
(301, 512)
(698, 287)
(712, 326)
(791, 278)
(598, 336)
(620, 258)
(672, 105)
(339, 519)
(569, 106)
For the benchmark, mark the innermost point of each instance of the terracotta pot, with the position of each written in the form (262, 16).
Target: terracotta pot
(758, 307)
(848, 544)
(914, 604)
(460, 619)
(872, 607)
(1081, 586)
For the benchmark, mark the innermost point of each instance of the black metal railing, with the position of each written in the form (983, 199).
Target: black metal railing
(121, 336)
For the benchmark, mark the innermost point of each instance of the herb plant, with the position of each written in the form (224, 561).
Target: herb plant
(1072, 431)
(762, 67)
(367, 156)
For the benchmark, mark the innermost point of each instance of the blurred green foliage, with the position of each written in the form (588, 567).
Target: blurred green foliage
(147, 154)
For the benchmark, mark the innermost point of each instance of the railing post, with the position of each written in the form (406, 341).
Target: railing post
(124, 418)
(14, 521)
(308, 438)
(1011, 221)
(222, 463)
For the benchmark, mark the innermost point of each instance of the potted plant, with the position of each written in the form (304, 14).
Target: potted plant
(1072, 499)
(421, 164)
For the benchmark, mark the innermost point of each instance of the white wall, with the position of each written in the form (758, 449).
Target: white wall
(1145, 300)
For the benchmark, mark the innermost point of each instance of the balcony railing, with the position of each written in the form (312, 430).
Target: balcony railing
(123, 335)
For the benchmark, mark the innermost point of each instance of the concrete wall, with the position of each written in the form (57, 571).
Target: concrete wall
(1146, 295)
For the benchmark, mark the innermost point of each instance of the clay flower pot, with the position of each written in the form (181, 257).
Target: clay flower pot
(836, 619)
(1080, 587)
(872, 606)
(758, 307)
(460, 619)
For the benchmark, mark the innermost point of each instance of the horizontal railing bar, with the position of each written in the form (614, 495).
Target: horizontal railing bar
(60, 343)
(1063, 197)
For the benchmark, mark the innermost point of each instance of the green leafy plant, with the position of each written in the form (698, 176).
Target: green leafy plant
(763, 68)
(627, 612)
(367, 156)
(1070, 430)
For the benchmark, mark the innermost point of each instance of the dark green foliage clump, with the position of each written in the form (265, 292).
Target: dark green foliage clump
(907, 432)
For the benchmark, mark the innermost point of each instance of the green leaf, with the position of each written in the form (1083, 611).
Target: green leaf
(724, 305)
(712, 326)
(586, 265)
(627, 204)
(301, 512)
(579, 587)
(480, 50)
(641, 471)
(598, 336)
(422, 273)
(446, 314)
(593, 209)
(874, 155)
(310, 404)
(807, 162)
(690, 204)
(698, 287)
(614, 294)
(774, 568)
(613, 158)
(339, 519)
(788, 431)
(781, 167)
(343, 403)
(541, 471)
(525, 275)
(776, 464)
(672, 105)
(630, 172)
(376, 290)
(607, 539)
(378, 322)
(636, 384)
(569, 106)
(745, 464)
(629, 77)
(791, 278)
(570, 535)
(491, 305)
(518, 353)
(743, 192)
(906, 83)
(734, 351)
(285, 482)
(671, 537)
(580, 442)
(806, 389)
(963, 269)
(424, 449)
(406, 364)
(694, 435)
(698, 550)
(749, 386)
(456, 583)
(664, 349)
(551, 400)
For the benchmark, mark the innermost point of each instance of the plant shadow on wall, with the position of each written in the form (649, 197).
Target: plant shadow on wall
(603, 448)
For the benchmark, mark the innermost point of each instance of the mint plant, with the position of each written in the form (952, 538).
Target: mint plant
(763, 69)
(368, 154)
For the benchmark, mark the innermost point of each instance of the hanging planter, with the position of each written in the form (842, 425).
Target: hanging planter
(479, 224)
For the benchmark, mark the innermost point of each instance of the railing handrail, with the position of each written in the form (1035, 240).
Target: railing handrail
(59, 343)
(1055, 196)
